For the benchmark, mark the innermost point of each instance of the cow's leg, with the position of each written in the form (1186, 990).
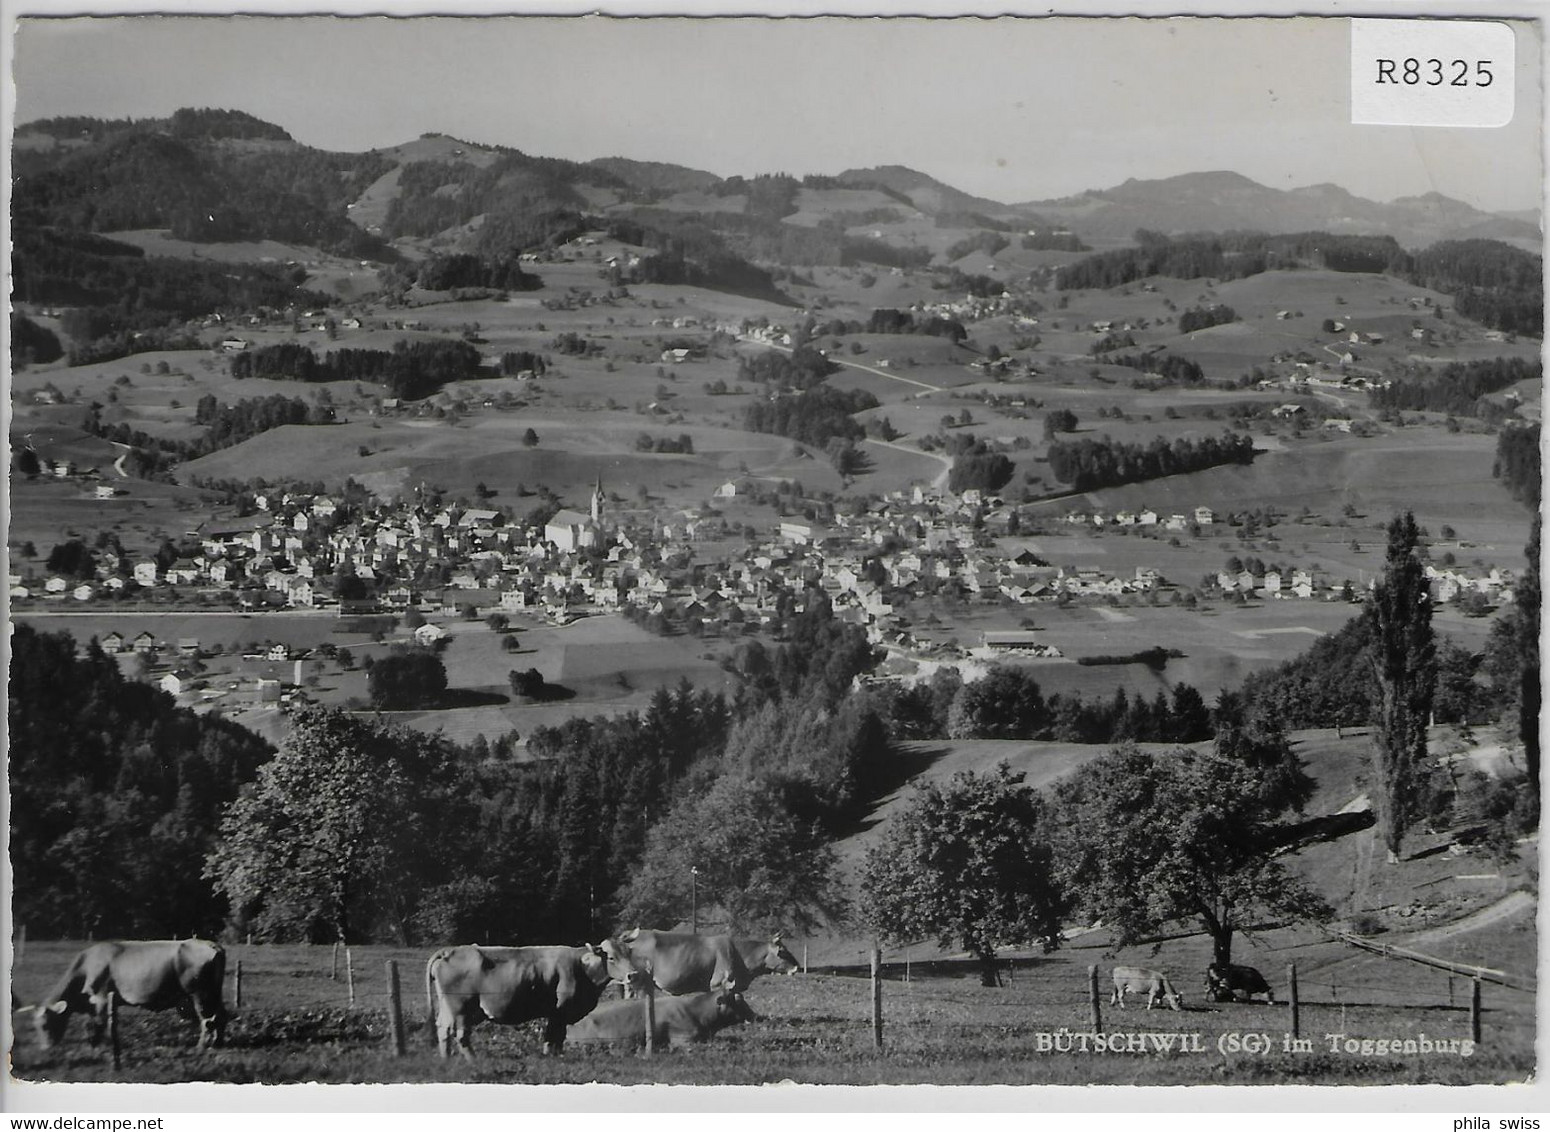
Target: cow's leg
(554, 1035)
(99, 1018)
(464, 1028)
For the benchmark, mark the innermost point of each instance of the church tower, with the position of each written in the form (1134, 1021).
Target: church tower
(597, 503)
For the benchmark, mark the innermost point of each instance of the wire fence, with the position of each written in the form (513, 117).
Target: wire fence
(919, 1004)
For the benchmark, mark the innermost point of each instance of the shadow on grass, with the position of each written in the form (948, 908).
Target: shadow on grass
(900, 768)
(469, 697)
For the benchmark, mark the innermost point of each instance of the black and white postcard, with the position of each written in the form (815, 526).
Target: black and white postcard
(845, 550)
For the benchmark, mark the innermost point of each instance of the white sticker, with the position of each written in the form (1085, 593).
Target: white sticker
(1432, 73)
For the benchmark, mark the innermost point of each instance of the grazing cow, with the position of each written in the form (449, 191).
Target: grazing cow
(511, 985)
(1227, 983)
(679, 1020)
(1142, 980)
(678, 962)
(155, 974)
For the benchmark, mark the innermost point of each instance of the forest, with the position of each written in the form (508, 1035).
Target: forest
(115, 793)
(803, 368)
(1171, 369)
(814, 416)
(1459, 388)
(1092, 463)
(200, 188)
(411, 370)
(114, 289)
(1491, 282)
(1518, 463)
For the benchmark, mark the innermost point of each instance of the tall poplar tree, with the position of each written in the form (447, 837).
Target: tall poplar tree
(1404, 664)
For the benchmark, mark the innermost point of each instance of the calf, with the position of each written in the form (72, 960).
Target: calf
(1227, 982)
(1143, 980)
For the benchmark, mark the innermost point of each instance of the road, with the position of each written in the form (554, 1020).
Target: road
(946, 461)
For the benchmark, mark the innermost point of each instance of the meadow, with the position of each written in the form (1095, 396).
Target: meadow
(296, 1024)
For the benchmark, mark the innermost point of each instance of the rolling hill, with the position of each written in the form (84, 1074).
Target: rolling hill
(1224, 201)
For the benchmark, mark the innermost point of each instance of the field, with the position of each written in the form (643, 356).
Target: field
(296, 1023)
(940, 1027)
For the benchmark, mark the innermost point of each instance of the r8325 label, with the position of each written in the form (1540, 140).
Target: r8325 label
(1433, 72)
(1436, 72)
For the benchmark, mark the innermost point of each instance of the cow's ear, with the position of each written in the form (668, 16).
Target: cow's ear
(58, 1007)
(776, 938)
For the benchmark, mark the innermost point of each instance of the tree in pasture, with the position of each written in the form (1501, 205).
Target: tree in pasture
(1146, 840)
(528, 684)
(1404, 667)
(330, 839)
(970, 862)
(759, 867)
(407, 678)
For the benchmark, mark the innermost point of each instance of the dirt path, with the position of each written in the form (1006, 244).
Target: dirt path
(1508, 906)
(940, 480)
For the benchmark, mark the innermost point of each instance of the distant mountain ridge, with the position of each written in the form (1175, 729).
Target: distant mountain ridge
(1219, 201)
(232, 168)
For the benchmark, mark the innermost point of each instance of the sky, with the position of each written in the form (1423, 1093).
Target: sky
(1010, 109)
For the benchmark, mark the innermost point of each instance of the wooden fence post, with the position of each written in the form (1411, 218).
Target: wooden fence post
(349, 975)
(1474, 1010)
(113, 1026)
(395, 1009)
(1291, 999)
(237, 980)
(877, 999)
(804, 957)
(1093, 1000)
(651, 1016)
(1450, 991)
(333, 967)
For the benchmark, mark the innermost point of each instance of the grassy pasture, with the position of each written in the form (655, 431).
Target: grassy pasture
(46, 512)
(572, 453)
(940, 1027)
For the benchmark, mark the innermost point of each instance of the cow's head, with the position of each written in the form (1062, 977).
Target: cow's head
(595, 964)
(616, 956)
(50, 1019)
(778, 960)
(732, 1007)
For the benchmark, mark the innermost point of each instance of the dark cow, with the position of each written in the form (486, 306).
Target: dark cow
(1232, 983)
(678, 962)
(679, 1020)
(511, 985)
(1143, 980)
(155, 974)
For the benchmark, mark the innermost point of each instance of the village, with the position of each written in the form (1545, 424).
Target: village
(685, 570)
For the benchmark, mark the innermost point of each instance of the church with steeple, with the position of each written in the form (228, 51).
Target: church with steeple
(571, 530)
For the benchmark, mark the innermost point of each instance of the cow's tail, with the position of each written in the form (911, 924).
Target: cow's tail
(430, 996)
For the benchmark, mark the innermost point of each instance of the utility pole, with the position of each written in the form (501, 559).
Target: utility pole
(694, 900)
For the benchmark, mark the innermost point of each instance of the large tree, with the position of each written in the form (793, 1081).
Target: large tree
(968, 861)
(339, 834)
(1404, 666)
(407, 678)
(1147, 840)
(758, 865)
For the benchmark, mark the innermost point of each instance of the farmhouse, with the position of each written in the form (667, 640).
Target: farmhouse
(177, 682)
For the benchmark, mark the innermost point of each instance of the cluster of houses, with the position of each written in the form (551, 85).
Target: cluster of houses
(1146, 517)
